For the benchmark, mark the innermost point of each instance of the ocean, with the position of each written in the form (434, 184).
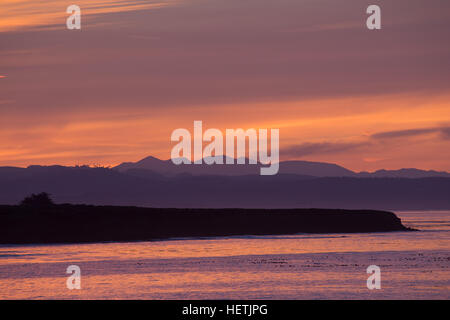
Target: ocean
(413, 265)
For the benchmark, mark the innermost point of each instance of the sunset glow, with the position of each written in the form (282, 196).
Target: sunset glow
(115, 90)
(225, 158)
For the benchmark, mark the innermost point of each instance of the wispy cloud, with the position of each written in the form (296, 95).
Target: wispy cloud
(50, 14)
(306, 149)
(378, 141)
(443, 131)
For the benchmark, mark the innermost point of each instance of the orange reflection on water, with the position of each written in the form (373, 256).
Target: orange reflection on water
(414, 265)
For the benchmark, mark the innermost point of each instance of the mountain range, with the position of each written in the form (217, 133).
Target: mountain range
(300, 184)
(306, 168)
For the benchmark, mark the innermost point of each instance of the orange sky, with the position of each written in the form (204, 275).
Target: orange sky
(137, 70)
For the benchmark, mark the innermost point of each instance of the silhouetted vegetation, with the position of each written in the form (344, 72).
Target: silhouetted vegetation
(37, 200)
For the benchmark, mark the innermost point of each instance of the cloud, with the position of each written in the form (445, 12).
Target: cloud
(20, 15)
(374, 141)
(306, 149)
(444, 131)
(215, 54)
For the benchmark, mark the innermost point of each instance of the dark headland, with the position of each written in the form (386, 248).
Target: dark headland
(67, 223)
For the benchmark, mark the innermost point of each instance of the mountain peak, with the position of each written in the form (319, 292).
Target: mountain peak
(167, 168)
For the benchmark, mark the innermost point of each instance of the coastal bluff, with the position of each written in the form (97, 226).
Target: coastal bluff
(66, 223)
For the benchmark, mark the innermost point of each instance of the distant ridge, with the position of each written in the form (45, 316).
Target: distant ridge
(167, 168)
(298, 167)
(136, 186)
(404, 173)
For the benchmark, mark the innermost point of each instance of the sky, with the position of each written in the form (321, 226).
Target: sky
(137, 70)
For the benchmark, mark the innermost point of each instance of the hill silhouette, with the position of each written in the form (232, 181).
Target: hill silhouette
(306, 168)
(167, 168)
(142, 187)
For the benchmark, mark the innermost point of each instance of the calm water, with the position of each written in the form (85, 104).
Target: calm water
(414, 265)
